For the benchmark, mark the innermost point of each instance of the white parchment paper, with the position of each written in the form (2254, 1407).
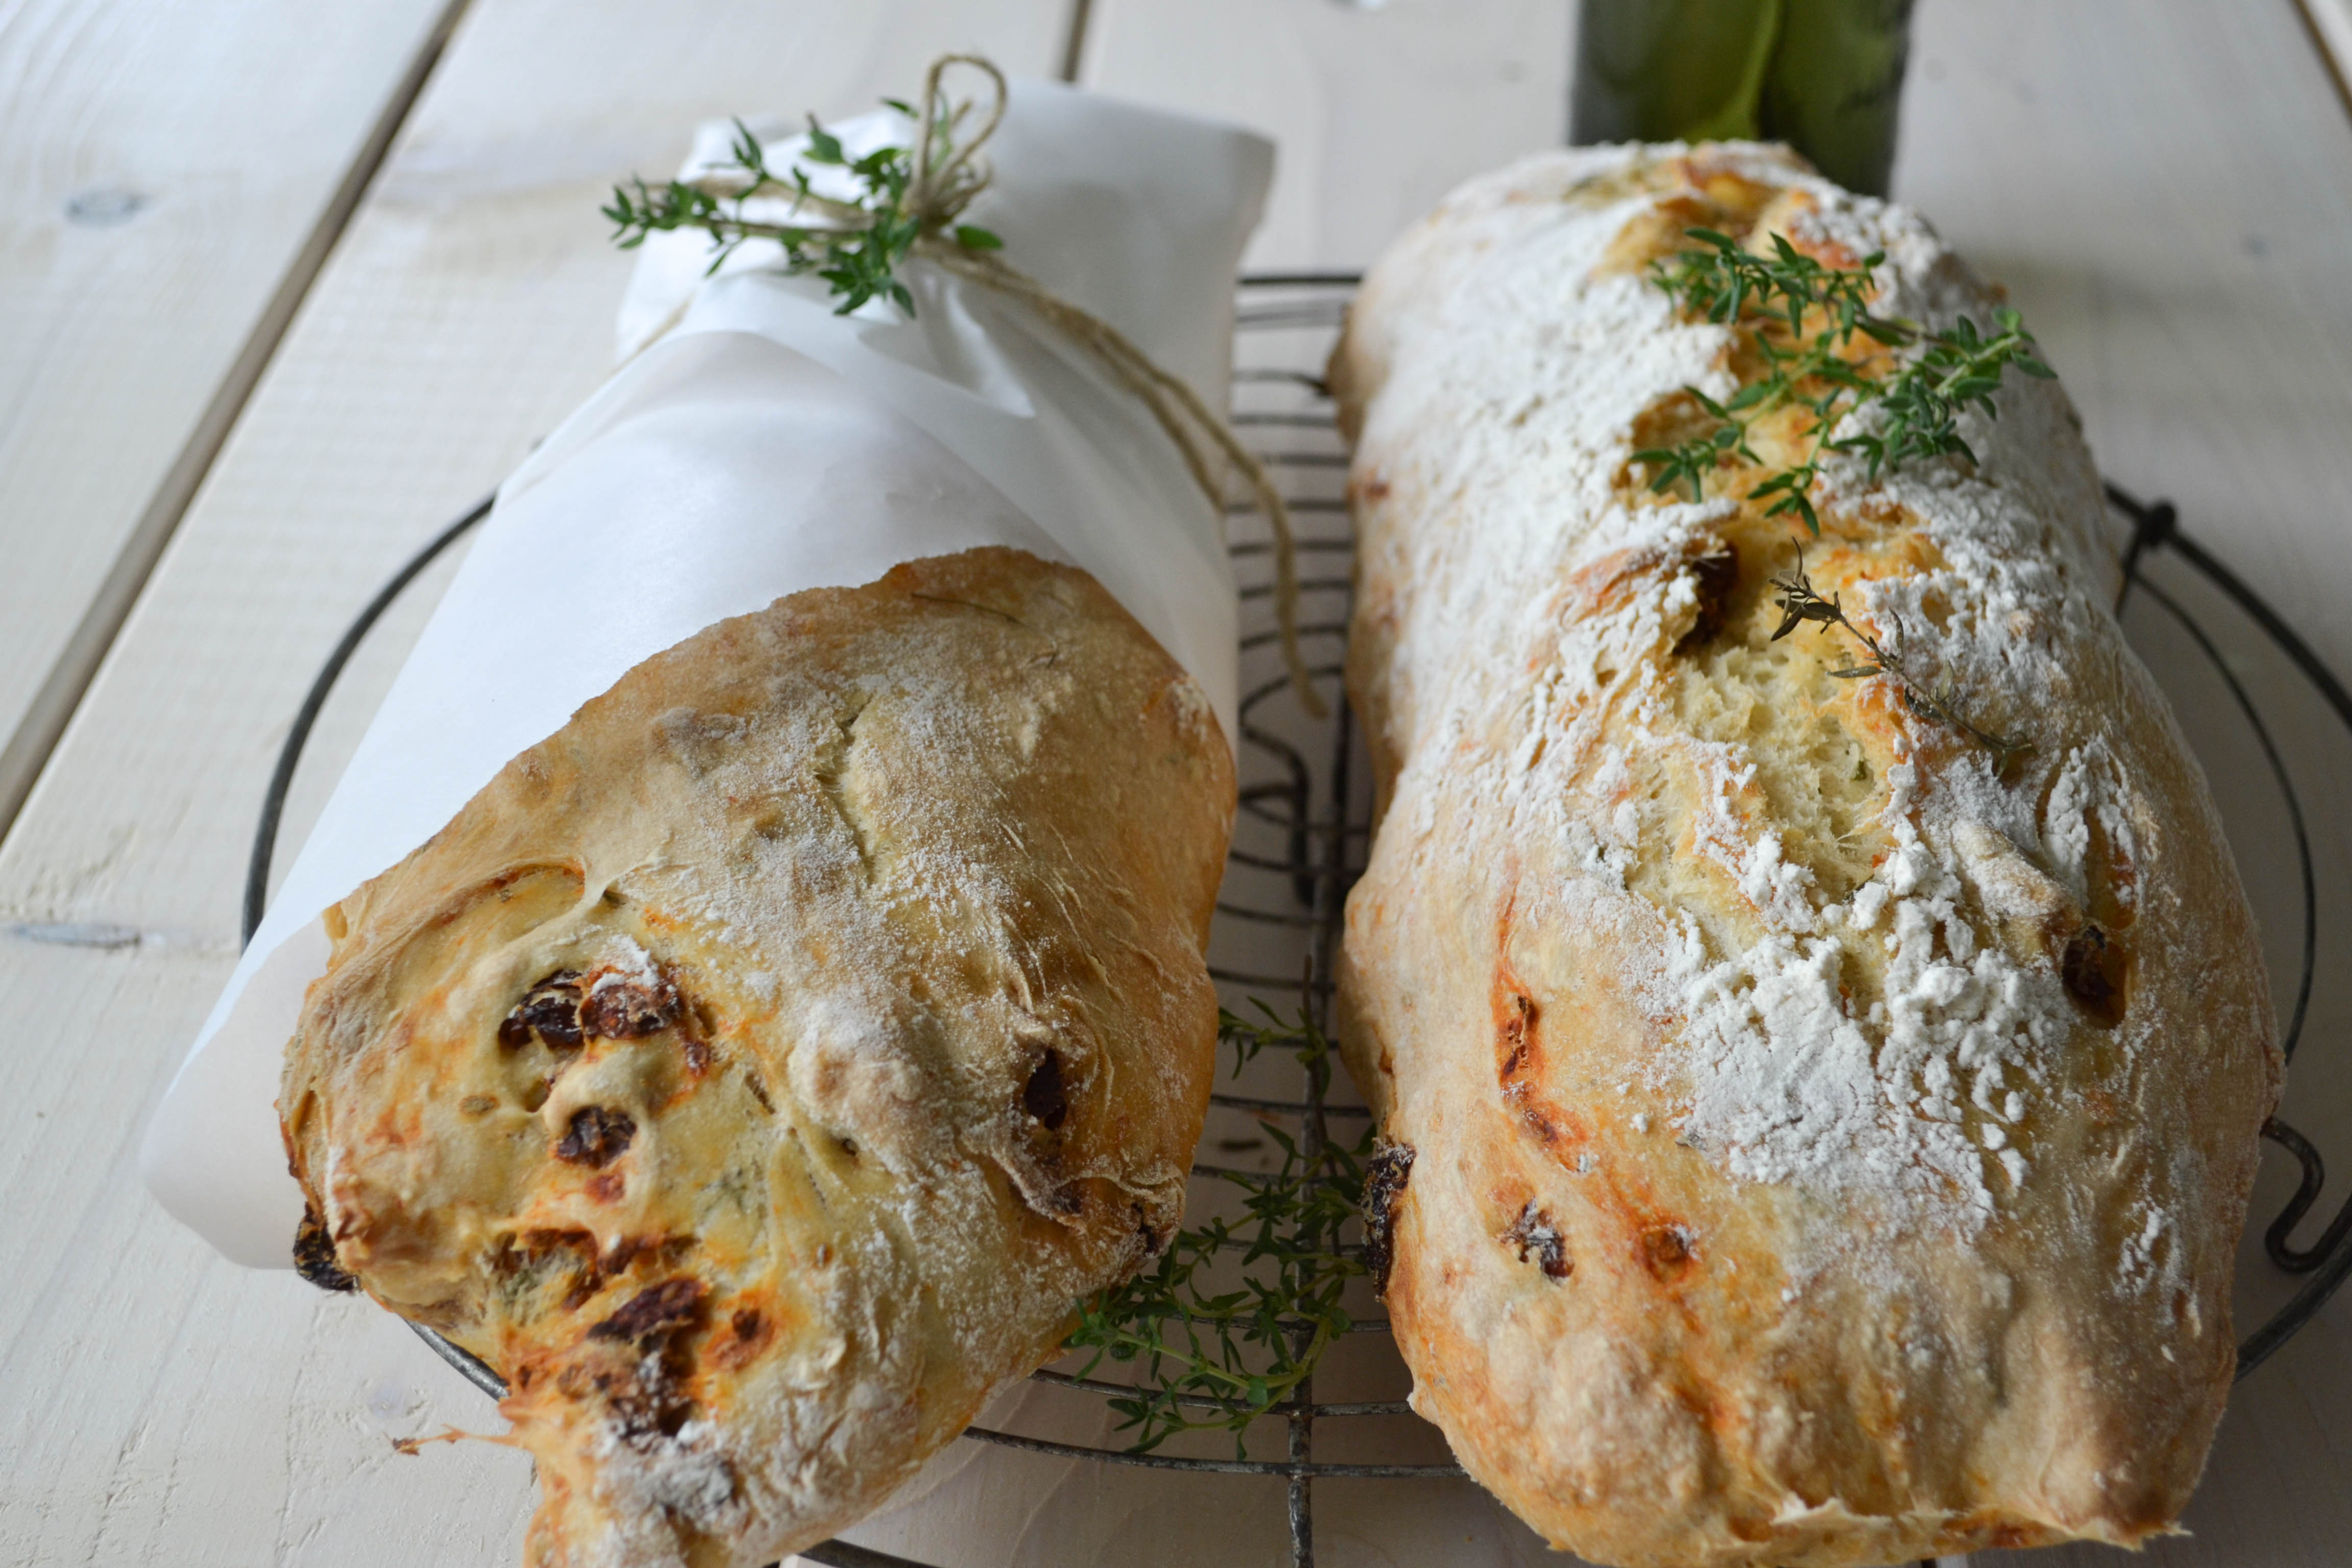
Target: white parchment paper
(755, 445)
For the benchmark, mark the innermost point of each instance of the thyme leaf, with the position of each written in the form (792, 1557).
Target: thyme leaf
(1923, 401)
(1803, 315)
(1215, 1348)
(1691, 459)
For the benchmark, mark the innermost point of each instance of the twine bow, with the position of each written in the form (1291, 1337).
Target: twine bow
(947, 175)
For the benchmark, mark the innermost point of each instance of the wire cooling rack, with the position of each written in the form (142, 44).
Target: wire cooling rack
(1303, 829)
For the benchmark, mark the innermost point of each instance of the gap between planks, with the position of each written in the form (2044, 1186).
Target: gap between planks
(1073, 40)
(27, 750)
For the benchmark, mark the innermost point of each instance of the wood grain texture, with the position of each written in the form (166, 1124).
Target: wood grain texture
(167, 170)
(1376, 111)
(158, 1406)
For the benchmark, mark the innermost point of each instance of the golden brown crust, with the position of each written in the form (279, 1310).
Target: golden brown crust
(1832, 1139)
(758, 1069)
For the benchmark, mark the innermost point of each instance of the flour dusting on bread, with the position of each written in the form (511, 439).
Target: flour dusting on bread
(1849, 1058)
(689, 1075)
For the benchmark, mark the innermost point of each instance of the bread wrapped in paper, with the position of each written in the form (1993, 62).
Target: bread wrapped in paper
(1820, 1136)
(774, 992)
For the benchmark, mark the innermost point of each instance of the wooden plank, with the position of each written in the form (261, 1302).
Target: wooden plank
(1377, 111)
(2165, 190)
(156, 1404)
(171, 178)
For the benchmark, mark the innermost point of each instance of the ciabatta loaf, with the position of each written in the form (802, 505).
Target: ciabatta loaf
(1820, 1135)
(759, 1069)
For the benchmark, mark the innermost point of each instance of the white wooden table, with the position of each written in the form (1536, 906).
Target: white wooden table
(283, 287)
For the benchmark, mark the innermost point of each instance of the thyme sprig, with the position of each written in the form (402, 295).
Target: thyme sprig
(1800, 602)
(1803, 315)
(1727, 281)
(856, 246)
(1215, 1349)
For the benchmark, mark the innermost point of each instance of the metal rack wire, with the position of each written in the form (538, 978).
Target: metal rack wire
(2156, 530)
(1303, 829)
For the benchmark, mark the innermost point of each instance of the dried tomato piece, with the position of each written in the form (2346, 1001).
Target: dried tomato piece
(2093, 970)
(1667, 1249)
(1714, 575)
(1044, 1097)
(1535, 1234)
(1385, 1175)
(655, 1310)
(596, 1137)
(551, 1010)
(314, 1255)
(618, 1009)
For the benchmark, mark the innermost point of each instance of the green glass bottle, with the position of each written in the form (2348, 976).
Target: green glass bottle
(1824, 76)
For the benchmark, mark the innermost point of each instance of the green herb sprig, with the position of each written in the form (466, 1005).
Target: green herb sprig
(1217, 1352)
(1803, 315)
(856, 246)
(1726, 280)
(1800, 602)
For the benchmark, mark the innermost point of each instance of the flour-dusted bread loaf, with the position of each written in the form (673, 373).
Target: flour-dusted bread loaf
(1822, 1136)
(758, 1070)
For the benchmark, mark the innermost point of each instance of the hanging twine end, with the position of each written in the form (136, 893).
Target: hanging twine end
(1302, 686)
